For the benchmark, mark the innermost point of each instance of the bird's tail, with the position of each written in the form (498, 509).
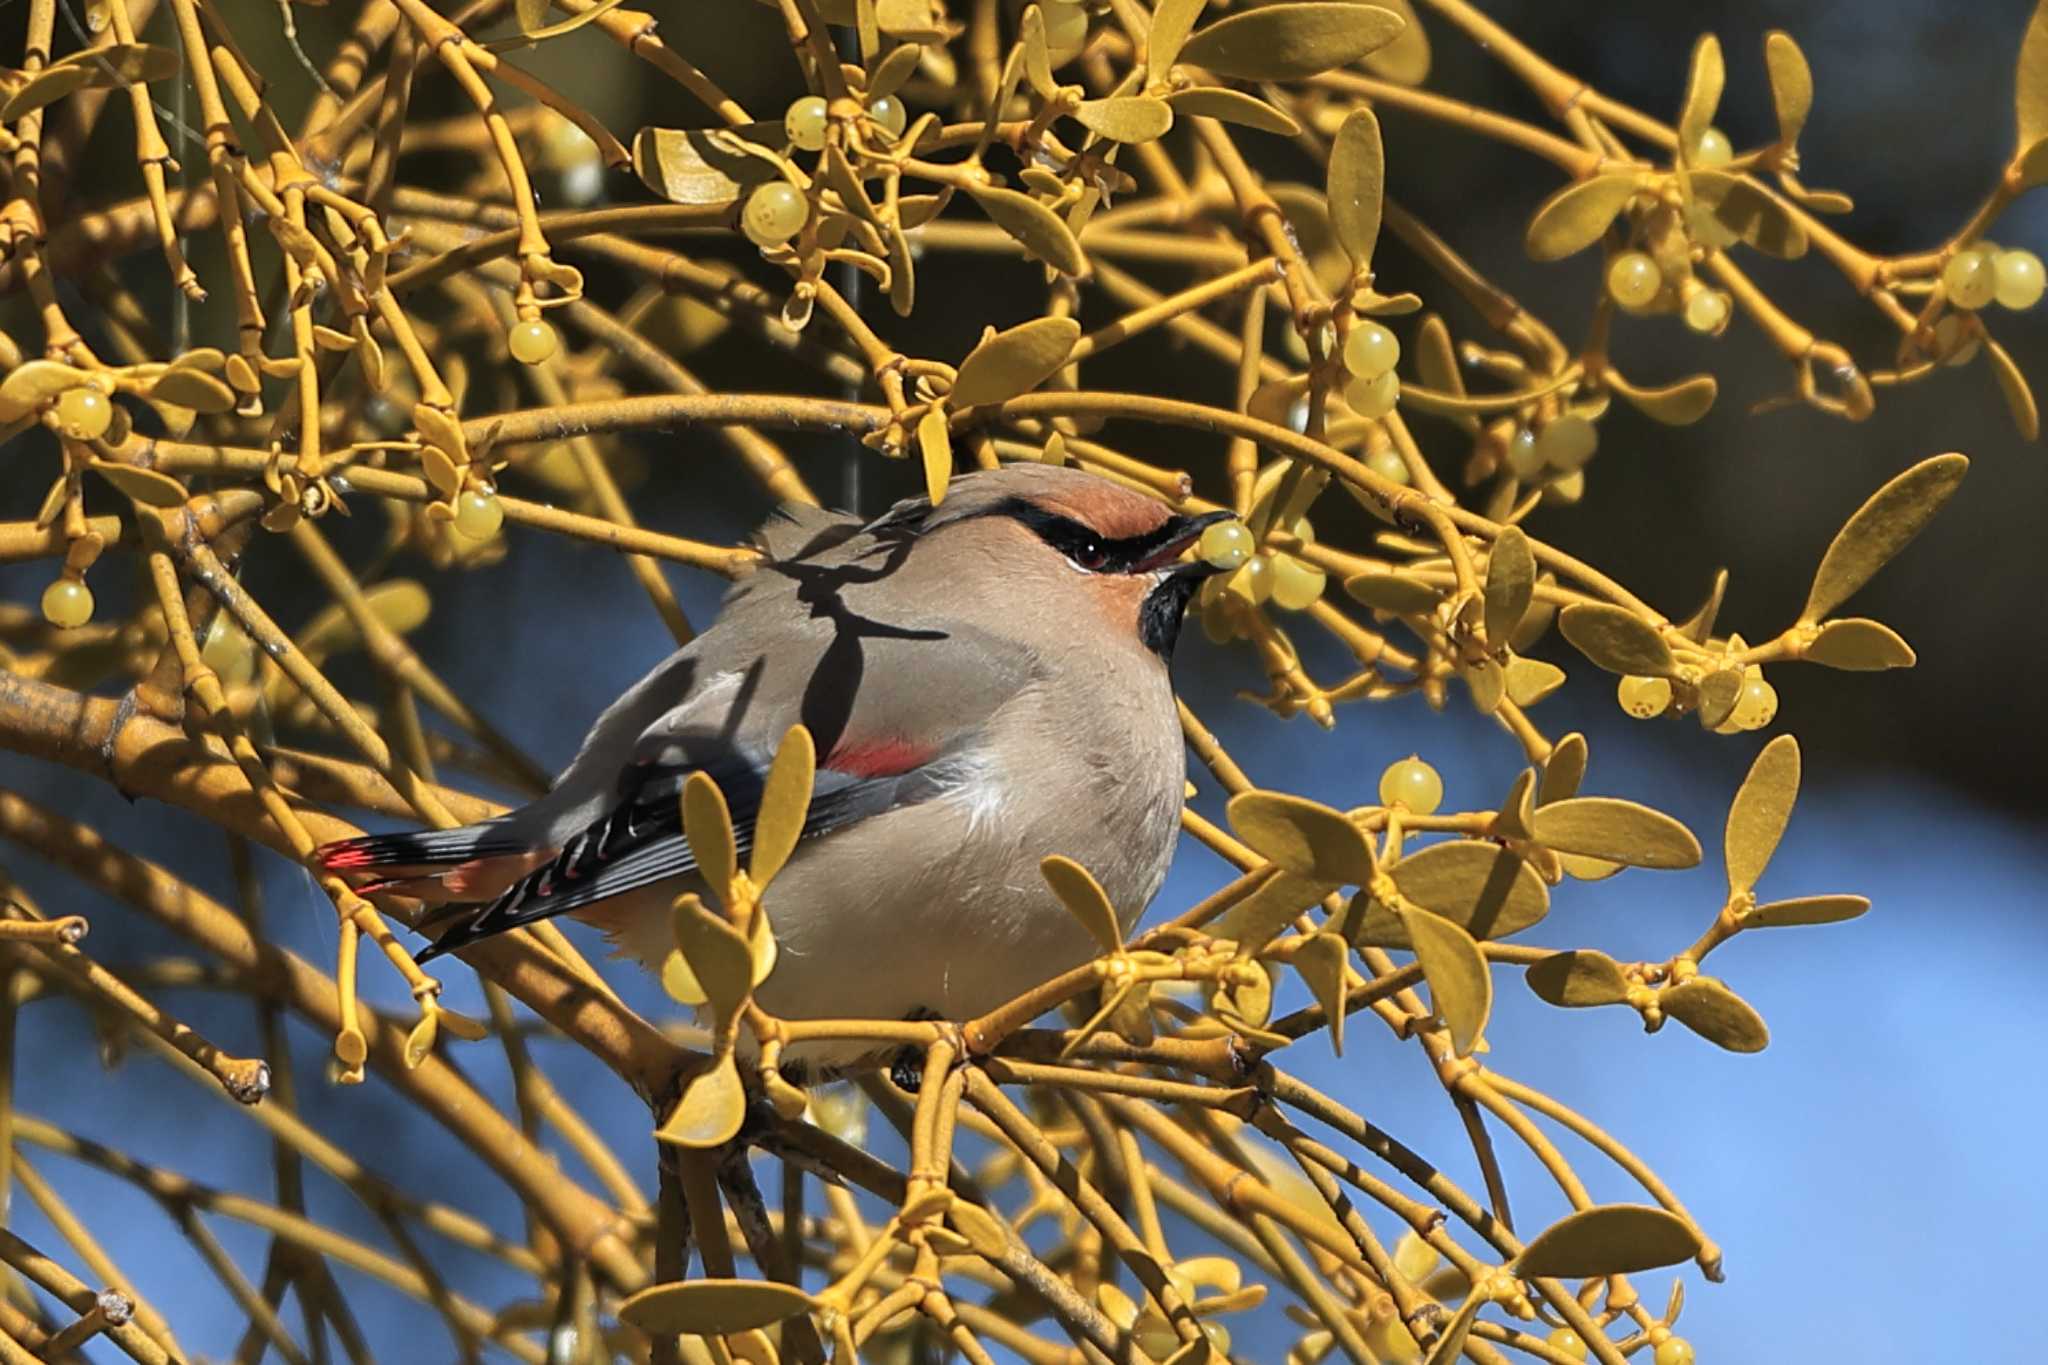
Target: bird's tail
(473, 863)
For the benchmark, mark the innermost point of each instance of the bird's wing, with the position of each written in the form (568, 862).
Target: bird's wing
(641, 841)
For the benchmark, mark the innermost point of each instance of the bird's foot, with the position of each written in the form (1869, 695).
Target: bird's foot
(906, 1068)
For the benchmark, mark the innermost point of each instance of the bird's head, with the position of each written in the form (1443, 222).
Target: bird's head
(1062, 531)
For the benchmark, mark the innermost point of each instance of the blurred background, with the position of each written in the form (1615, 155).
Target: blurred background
(1892, 1107)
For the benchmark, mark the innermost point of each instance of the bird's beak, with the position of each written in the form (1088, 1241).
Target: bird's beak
(1180, 533)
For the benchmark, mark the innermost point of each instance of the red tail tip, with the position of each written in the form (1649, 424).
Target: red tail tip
(339, 856)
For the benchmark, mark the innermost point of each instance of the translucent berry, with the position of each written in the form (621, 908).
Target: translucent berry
(1707, 311)
(532, 342)
(1226, 545)
(1971, 278)
(890, 113)
(1373, 397)
(1954, 344)
(1370, 350)
(1713, 149)
(1567, 442)
(774, 214)
(1675, 1351)
(478, 515)
(1757, 705)
(1413, 784)
(2019, 278)
(67, 603)
(1644, 698)
(1388, 464)
(1634, 279)
(1296, 583)
(229, 652)
(84, 414)
(1525, 459)
(1253, 581)
(1066, 30)
(804, 122)
(1567, 1342)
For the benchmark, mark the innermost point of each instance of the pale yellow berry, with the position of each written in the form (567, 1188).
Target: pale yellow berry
(1371, 350)
(478, 514)
(1707, 311)
(1955, 341)
(1971, 278)
(1644, 698)
(1713, 149)
(1413, 784)
(1567, 1342)
(890, 113)
(1373, 397)
(2019, 277)
(67, 603)
(532, 342)
(804, 123)
(1675, 1351)
(1253, 581)
(1296, 583)
(1634, 279)
(84, 414)
(1567, 442)
(1757, 705)
(1388, 464)
(1226, 545)
(1524, 457)
(775, 212)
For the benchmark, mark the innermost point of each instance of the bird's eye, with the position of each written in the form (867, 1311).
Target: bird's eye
(1090, 555)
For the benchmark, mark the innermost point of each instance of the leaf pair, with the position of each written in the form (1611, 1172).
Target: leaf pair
(1004, 365)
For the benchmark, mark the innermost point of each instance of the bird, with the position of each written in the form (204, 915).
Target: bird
(986, 681)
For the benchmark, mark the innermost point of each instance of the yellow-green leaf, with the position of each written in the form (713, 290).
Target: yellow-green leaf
(1303, 837)
(1013, 362)
(1881, 528)
(1564, 770)
(1702, 95)
(1037, 227)
(1484, 888)
(1084, 898)
(1270, 908)
(707, 823)
(1609, 1239)
(195, 389)
(1578, 979)
(1357, 186)
(893, 70)
(1716, 1014)
(2031, 83)
(680, 981)
(1394, 592)
(1805, 910)
(1037, 60)
(1404, 61)
(1516, 819)
(1531, 680)
(685, 167)
(146, 486)
(1436, 360)
(979, 1227)
(1859, 645)
(1322, 961)
(711, 1109)
(1617, 639)
(1171, 24)
(2019, 398)
(707, 1307)
(1460, 986)
(536, 32)
(1287, 41)
(1719, 691)
(1232, 106)
(34, 382)
(1572, 219)
(1698, 626)
(102, 68)
(1617, 830)
(1675, 405)
(1791, 84)
(1488, 683)
(718, 955)
(1753, 216)
(935, 445)
(1126, 118)
(1760, 811)
(1510, 584)
(785, 801)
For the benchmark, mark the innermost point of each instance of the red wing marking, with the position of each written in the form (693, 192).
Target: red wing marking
(876, 758)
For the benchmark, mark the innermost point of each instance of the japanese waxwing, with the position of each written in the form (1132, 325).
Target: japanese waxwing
(986, 683)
